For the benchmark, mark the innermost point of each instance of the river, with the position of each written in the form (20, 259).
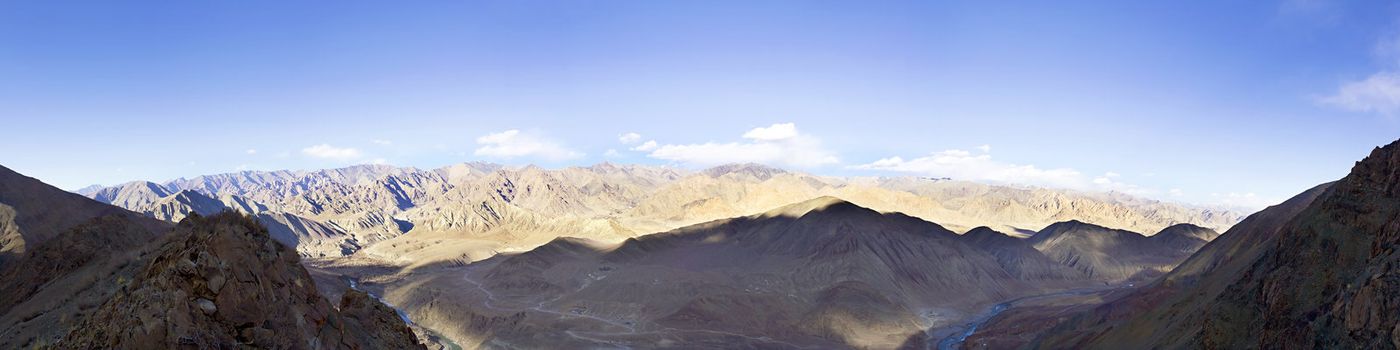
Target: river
(956, 340)
(446, 342)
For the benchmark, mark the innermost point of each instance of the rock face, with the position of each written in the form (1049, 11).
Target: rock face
(1318, 271)
(60, 281)
(222, 280)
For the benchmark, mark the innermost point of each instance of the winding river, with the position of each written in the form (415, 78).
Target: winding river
(447, 342)
(956, 340)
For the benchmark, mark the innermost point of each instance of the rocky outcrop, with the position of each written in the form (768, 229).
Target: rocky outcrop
(375, 325)
(221, 281)
(59, 282)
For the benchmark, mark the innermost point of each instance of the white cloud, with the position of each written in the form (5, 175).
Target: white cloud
(779, 144)
(1176, 192)
(379, 161)
(513, 143)
(251, 151)
(1379, 93)
(629, 138)
(331, 152)
(381, 142)
(964, 165)
(1245, 200)
(611, 153)
(776, 132)
(985, 148)
(646, 146)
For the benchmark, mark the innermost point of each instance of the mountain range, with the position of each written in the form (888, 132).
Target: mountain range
(741, 256)
(469, 211)
(819, 273)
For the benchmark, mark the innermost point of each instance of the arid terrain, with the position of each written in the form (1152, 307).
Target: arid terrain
(568, 259)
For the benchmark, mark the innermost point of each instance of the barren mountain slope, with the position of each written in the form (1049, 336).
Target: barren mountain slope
(1019, 258)
(1153, 314)
(1313, 273)
(32, 212)
(1107, 254)
(819, 273)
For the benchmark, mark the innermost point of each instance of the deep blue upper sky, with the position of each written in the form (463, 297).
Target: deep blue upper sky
(1204, 102)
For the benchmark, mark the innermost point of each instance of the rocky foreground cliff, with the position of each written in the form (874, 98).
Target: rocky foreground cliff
(223, 281)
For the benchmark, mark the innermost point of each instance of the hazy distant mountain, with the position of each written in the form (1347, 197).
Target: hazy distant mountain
(469, 211)
(1318, 271)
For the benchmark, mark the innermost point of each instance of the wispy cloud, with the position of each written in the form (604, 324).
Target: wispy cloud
(964, 165)
(629, 138)
(331, 152)
(251, 151)
(513, 143)
(1242, 200)
(778, 144)
(1378, 93)
(646, 146)
(381, 142)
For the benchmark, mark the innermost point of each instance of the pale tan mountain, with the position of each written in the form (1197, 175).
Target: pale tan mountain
(131, 194)
(311, 238)
(473, 210)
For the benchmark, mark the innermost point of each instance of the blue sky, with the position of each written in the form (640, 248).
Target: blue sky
(1212, 102)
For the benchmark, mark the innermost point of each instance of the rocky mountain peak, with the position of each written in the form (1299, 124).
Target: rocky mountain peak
(1378, 172)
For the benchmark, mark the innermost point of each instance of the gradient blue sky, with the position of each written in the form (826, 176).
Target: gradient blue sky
(1202, 102)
